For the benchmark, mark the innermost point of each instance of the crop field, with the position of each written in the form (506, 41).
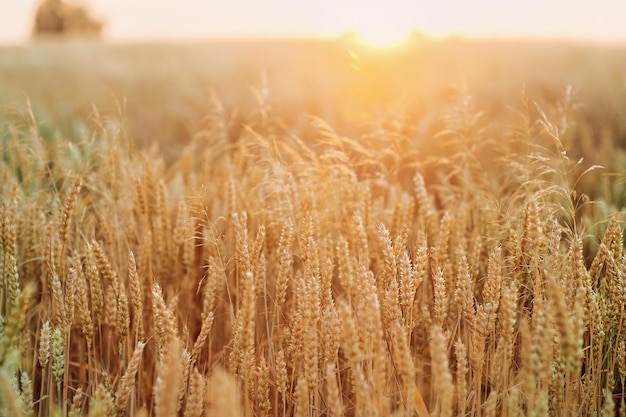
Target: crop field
(300, 228)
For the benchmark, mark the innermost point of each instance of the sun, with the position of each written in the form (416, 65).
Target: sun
(387, 38)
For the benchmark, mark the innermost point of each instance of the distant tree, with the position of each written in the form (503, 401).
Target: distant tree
(60, 18)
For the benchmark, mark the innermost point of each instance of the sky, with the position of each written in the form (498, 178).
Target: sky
(136, 20)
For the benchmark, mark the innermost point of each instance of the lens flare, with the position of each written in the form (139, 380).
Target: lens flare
(388, 38)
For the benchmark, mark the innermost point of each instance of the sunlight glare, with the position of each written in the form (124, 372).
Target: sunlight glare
(387, 39)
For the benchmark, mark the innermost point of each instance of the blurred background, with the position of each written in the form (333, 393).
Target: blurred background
(378, 21)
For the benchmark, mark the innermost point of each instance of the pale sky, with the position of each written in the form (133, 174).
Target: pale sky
(128, 20)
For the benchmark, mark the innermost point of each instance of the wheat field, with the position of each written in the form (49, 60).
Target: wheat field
(355, 234)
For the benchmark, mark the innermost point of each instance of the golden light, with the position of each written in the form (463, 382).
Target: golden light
(383, 38)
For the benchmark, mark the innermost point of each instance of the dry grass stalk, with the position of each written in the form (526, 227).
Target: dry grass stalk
(122, 327)
(244, 258)
(501, 364)
(263, 388)
(303, 405)
(161, 229)
(58, 304)
(8, 259)
(246, 322)
(491, 404)
(84, 312)
(541, 353)
(407, 286)
(70, 202)
(388, 267)
(345, 265)
(75, 408)
(441, 305)
(464, 293)
(330, 335)
(201, 340)
(10, 400)
(460, 353)
(214, 280)
(164, 322)
(195, 399)
(621, 360)
(282, 378)
(257, 252)
(95, 285)
(566, 335)
(70, 297)
(110, 313)
(426, 211)
(136, 297)
(45, 336)
(101, 404)
(333, 395)
(442, 247)
(109, 276)
(166, 389)
(308, 300)
(404, 366)
(26, 396)
(440, 371)
(127, 383)
(493, 284)
(532, 233)
(223, 395)
(285, 261)
(57, 345)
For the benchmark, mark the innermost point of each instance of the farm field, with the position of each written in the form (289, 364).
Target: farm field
(312, 228)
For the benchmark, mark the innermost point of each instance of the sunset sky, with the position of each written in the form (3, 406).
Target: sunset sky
(130, 20)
